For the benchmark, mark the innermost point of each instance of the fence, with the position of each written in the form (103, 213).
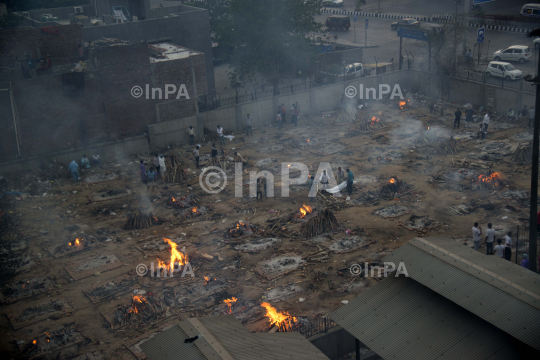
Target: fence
(522, 245)
(314, 327)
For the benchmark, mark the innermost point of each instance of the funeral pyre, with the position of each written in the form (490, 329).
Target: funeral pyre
(490, 181)
(394, 187)
(141, 310)
(175, 172)
(191, 213)
(141, 220)
(55, 340)
(371, 124)
(304, 213)
(177, 259)
(188, 201)
(323, 222)
(282, 319)
(240, 229)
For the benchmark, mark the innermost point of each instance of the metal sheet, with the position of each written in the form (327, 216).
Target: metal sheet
(170, 345)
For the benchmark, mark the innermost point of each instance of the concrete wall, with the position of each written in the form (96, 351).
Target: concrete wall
(190, 29)
(61, 13)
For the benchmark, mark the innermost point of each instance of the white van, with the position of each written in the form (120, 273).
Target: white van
(531, 10)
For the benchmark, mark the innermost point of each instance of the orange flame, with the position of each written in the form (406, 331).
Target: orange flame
(402, 104)
(374, 120)
(176, 256)
(194, 210)
(34, 342)
(392, 180)
(139, 298)
(229, 303)
(173, 199)
(305, 209)
(206, 280)
(77, 242)
(307, 140)
(289, 165)
(282, 320)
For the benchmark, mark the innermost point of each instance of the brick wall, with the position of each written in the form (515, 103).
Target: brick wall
(21, 41)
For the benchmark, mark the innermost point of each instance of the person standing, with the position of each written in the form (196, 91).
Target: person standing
(283, 112)
(292, 113)
(508, 246)
(490, 238)
(248, 125)
(279, 120)
(259, 189)
(340, 175)
(499, 249)
(531, 116)
(524, 112)
(74, 168)
(151, 179)
(196, 155)
(162, 167)
(220, 135)
(481, 132)
(476, 232)
(324, 180)
(469, 117)
(156, 165)
(85, 162)
(296, 115)
(97, 160)
(525, 261)
(457, 118)
(486, 122)
(309, 185)
(144, 179)
(191, 134)
(350, 179)
(263, 184)
(213, 154)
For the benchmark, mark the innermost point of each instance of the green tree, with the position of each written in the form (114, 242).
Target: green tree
(269, 37)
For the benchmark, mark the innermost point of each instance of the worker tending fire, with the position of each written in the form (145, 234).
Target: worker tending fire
(283, 320)
(230, 303)
(176, 257)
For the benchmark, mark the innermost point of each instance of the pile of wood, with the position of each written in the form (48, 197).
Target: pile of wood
(523, 154)
(468, 163)
(324, 222)
(394, 187)
(346, 115)
(422, 139)
(183, 202)
(140, 311)
(141, 220)
(175, 172)
(448, 146)
(371, 124)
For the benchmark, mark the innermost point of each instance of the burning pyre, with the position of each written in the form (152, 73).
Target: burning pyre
(191, 213)
(283, 320)
(140, 310)
(324, 221)
(371, 124)
(240, 229)
(394, 187)
(52, 341)
(141, 220)
(305, 212)
(403, 104)
(177, 257)
(230, 303)
(490, 181)
(184, 202)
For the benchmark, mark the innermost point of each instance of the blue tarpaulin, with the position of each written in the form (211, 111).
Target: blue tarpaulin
(325, 49)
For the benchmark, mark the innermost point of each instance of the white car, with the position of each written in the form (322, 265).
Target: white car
(537, 43)
(357, 69)
(334, 3)
(519, 53)
(504, 70)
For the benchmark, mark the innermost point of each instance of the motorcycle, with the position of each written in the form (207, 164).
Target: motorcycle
(476, 7)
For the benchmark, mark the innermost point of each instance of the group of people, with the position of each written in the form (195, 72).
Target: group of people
(73, 167)
(156, 171)
(502, 251)
(282, 114)
(524, 114)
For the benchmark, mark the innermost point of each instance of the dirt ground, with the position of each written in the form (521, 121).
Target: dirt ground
(321, 281)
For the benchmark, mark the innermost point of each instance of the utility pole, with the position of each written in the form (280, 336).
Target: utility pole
(465, 21)
(455, 39)
(533, 233)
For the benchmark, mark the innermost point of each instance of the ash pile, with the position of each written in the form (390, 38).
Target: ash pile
(141, 220)
(369, 198)
(391, 211)
(258, 245)
(240, 229)
(140, 311)
(50, 342)
(394, 188)
(349, 244)
(192, 212)
(420, 223)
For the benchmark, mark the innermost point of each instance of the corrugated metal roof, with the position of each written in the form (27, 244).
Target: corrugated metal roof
(401, 319)
(170, 345)
(235, 338)
(487, 294)
(290, 345)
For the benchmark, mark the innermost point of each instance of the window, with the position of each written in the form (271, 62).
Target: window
(517, 51)
(507, 51)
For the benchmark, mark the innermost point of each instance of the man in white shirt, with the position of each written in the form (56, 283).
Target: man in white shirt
(324, 180)
(476, 232)
(196, 155)
(499, 249)
(486, 122)
(341, 177)
(508, 246)
(220, 135)
(490, 238)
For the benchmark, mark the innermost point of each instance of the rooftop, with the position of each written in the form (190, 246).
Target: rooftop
(166, 51)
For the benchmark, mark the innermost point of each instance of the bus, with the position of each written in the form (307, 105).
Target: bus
(531, 10)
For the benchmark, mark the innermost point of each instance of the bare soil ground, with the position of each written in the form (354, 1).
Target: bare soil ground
(316, 276)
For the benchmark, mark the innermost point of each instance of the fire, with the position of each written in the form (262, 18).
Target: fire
(392, 180)
(139, 298)
(77, 242)
(402, 104)
(307, 140)
(173, 199)
(34, 342)
(305, 209)
(229, 303)
(194, 210)
(289, 165)
(428, 127)
(283, 320)
(374, 120)
(176, 256)
(206, 280)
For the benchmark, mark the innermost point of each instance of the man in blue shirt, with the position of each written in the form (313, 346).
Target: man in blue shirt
(350, 179)
(74, 168)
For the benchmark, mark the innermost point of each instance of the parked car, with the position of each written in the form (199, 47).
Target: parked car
(333, 3)
(355, 69)
(519, 53)
(537, 43)
(405, 23)
(338, 22)
(504, 70)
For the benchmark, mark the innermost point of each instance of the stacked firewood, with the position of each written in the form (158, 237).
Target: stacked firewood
(141, 220)
(371, 125)
(346, 115)
(449, 146)
(324, 222)
(175, 172)
(523, 154)
(183, 202)
(140, 310)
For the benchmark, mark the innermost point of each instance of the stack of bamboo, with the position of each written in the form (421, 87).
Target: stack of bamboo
(324, 222)
(175, 172)
(523, 154)
(140, 220)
